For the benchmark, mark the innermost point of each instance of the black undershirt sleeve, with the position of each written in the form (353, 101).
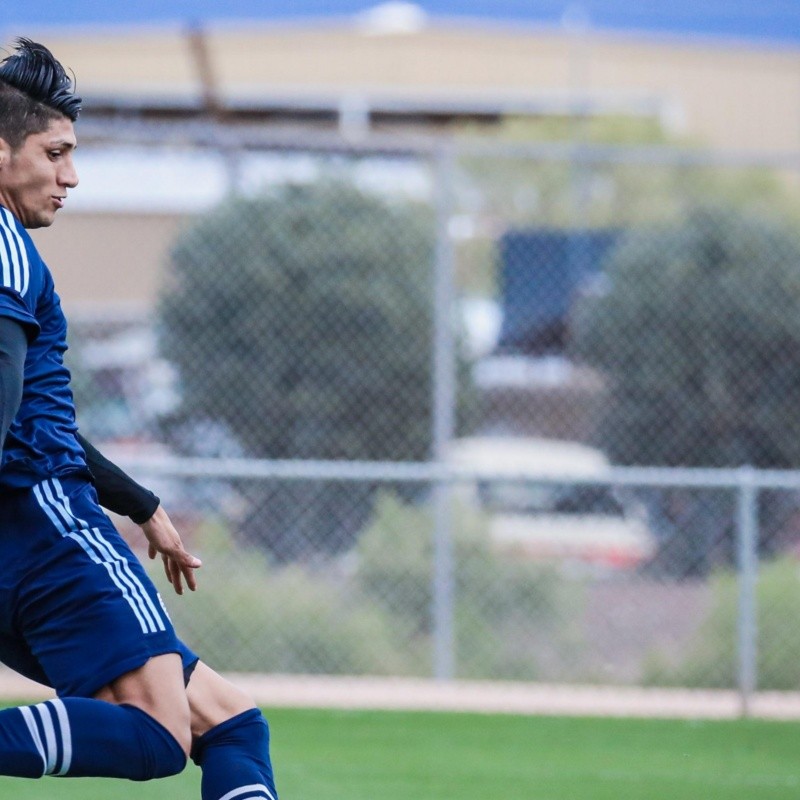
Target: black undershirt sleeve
(117, 491)
(13, 349)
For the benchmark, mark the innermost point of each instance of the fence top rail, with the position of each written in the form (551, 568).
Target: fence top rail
(201, 133)
(440, 472)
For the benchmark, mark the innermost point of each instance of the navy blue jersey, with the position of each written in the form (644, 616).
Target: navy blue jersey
(41, 442)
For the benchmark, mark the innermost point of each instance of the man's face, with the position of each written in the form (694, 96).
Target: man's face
(35, 177)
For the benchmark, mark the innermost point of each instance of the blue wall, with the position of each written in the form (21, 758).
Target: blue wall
(541, 273)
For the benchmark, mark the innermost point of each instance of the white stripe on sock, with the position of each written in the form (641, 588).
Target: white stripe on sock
(66, 736)
(253, 790)
(51, 747)
(27, 715)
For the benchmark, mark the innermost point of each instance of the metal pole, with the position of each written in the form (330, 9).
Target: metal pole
(444, 400)
(747, 531)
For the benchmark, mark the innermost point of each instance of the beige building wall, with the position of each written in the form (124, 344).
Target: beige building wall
(108, 263)
(729, 96)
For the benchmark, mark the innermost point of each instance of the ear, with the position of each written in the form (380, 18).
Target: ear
(5, 152)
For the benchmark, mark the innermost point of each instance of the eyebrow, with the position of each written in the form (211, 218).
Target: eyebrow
(62, 143)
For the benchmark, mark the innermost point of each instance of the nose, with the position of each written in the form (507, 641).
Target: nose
(68, 175)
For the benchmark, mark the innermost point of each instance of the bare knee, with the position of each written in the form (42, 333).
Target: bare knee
(157, 689)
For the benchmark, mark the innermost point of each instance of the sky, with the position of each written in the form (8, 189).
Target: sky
(777, 21)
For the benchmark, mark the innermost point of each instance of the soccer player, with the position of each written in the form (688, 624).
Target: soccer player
(77, 610)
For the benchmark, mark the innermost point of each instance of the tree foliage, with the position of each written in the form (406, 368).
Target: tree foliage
(302, 322)
(698, 333)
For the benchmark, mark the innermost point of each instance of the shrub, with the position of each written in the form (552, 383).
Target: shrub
(508, 612)
(711, 660)
(251, 616)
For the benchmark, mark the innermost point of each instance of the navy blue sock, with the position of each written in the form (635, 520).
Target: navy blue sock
(78, 737)
(234, 757)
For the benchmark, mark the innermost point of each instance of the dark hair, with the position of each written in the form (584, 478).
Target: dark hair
(34, 90)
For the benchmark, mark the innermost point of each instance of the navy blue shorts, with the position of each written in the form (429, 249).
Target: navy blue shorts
(77, 609)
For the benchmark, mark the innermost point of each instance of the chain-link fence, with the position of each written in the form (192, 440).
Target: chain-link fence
(406, 405)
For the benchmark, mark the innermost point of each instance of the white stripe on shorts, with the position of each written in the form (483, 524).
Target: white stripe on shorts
(52, 493)
(53, 500)
(65, 504)
(45, 506)
(145, 624)
(126, 576)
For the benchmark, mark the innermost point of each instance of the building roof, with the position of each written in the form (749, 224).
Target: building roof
(731, 97)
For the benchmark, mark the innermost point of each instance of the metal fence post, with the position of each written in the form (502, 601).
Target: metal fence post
(444, 400)
(747, 558)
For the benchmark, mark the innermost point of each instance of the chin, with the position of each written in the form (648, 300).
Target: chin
(40, 222)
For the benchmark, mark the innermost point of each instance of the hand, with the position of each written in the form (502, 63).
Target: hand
(163, 538)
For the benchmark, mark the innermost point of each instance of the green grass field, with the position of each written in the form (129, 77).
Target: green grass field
(354, 755)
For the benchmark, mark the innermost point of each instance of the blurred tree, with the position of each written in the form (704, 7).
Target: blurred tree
(302, 322)
(698, 334)
(596, 173)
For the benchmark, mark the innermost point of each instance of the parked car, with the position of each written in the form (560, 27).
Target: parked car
(542, 503)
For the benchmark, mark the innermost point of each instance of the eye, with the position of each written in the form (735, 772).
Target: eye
(54, 154)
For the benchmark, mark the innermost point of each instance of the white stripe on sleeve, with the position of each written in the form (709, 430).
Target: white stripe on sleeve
(16, 252)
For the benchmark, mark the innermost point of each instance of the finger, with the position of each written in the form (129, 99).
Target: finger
(187, 560)
(176, 581)
(191, 579)
(165, 559)
(151, 551)
(186, 564)
(179, 564)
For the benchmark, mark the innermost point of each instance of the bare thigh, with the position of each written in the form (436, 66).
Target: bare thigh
(156, 688)
(213, 699)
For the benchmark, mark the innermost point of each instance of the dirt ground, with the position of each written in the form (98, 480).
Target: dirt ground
(297, 691)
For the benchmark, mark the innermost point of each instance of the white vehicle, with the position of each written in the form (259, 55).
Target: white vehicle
(571, 520)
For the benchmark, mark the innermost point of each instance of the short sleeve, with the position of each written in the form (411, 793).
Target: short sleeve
(20, 275)
(13, 307)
